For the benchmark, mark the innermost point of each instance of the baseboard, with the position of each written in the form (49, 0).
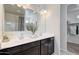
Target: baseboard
(56, 53)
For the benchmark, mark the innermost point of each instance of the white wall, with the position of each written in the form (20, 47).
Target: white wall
(53, 25)
(1, 19)
(63, 27)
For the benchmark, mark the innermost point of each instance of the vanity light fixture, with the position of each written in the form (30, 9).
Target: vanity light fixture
(43, 12)
(25, 6)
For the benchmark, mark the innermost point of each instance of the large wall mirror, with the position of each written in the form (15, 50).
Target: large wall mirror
(14, 18)
(20, 19)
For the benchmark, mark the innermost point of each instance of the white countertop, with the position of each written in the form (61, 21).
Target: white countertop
(16, 42)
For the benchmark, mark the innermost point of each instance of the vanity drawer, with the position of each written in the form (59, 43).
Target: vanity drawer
(11, 50)
(17, 49)
(30, 45)
(14, 49)
(32, 51)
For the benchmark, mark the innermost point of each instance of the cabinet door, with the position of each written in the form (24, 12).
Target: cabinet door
(31, 51)
(44, 49)
(47, 46)
(51, 46)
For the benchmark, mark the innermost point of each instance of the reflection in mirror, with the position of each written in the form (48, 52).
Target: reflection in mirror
(14, 18)
(31, 20)
(20, 19)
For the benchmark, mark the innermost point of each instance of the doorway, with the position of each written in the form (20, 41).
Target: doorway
(73, 28)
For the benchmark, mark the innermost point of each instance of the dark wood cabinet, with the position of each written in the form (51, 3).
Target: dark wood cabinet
(31, 51)
(47, 46)
(51, 46)
(41, 47)
(44, 49)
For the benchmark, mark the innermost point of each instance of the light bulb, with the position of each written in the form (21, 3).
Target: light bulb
(26, 21)
(43, 12)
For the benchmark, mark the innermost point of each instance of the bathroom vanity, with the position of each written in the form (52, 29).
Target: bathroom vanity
(44, 46)
(19, 26)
